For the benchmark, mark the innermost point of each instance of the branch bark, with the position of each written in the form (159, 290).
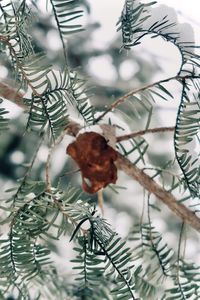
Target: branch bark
(142, 132)
(12, 94)
(126, 166)
(154, 188)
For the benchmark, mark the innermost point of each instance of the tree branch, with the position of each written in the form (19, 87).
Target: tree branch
(16, 97)
(12, 94)
(126, 166)
(142, 132)
(146, 87)
(154, 188)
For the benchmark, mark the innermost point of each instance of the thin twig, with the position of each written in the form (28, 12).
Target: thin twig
(47, 170)
(142, 132)
(179, 252)
(70, 173)
(141, 89)
(100, 201)
(152, 187)
(29, 168)
(48, 162)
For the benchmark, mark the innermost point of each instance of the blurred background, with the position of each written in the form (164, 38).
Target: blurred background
(95, 54)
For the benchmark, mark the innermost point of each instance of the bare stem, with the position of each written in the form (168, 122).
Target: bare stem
(47, 171)
(142, 132)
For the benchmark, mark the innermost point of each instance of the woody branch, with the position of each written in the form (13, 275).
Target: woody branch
(125, 165)
(125, 97)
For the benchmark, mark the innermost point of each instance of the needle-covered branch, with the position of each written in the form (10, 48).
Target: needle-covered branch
(154, 188)
(141, 89)
(126, 166)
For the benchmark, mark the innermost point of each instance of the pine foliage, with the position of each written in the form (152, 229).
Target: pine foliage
(135, 23)
(4, 122)
(65, 13)
(186, 282)
(187, 135)
(156, 257)
(105, 252)
(36, 214)
(131, 21)
(49, 107)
